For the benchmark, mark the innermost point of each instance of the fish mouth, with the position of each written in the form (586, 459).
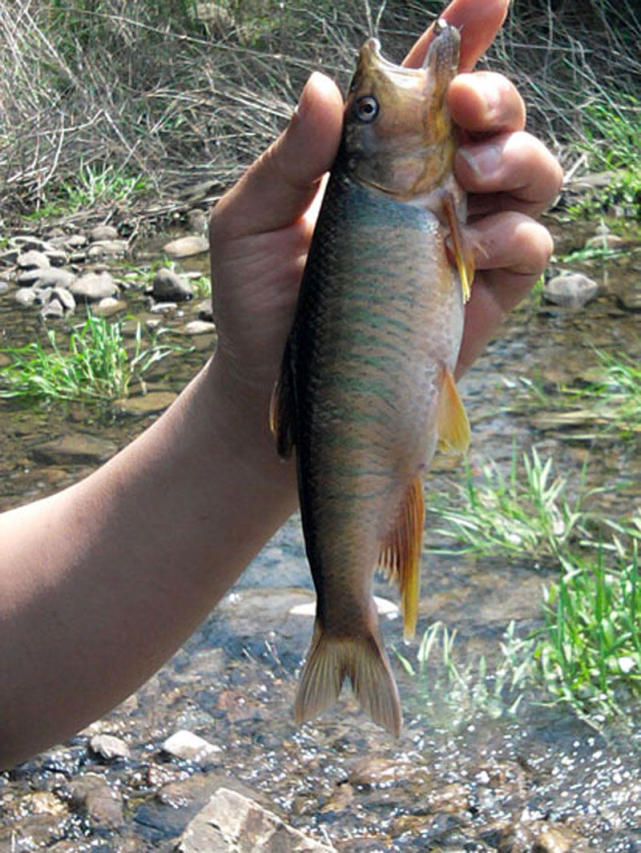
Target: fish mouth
(441, 58)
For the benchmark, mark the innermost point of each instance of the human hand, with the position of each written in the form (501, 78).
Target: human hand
(261, 229)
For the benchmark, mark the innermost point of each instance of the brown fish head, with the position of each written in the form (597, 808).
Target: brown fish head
(397, 134)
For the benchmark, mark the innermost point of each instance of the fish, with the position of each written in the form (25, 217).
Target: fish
(366, 389)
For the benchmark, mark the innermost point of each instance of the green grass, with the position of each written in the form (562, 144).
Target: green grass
(525, 512)
(95, 364)
(615, 396)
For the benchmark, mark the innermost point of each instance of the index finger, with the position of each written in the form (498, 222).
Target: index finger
(478, 24)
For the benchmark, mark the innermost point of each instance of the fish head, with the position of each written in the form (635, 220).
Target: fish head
(397, 133)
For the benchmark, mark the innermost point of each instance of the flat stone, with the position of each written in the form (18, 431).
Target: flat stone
(107, 249)
(74, 447)
(232, 822)
(571, 290)
(147, 404)
(191, 747)
(92, 287)
(32, 258)
(109, 306)
(47, 276)
(103, 232)
(103, 805)
(198, 327)
(185, 247)
(109, 746)
(26, 242)
(168, 286)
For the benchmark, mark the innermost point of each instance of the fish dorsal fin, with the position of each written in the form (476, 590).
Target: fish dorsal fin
(452, 423)
(281, 410)
(401, 553)
(463, 254)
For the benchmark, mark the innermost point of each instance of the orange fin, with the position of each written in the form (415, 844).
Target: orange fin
(452, 423)
(461, 247)
(281, 411)
(361, 659)
(401, 553)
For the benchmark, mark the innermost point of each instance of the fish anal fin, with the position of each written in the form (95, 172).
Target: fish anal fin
(400, 556)
(461, 248)
(281, 421)
(361, 659)
(452, 423)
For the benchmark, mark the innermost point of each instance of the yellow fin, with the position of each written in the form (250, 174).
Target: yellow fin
(361, 659)
(461, 247)
(452, 423)
(400, 556)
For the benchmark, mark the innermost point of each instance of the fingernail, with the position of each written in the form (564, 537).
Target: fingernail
(303, 102)
(484, 160)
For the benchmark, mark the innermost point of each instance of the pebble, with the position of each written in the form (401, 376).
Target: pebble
(168, 286)
(109, 746)
(190, 747)
(198, 327)
(107, 249)
(185, 247)
(92, 287)
(571, 290)
(109, 306)
(32, 259)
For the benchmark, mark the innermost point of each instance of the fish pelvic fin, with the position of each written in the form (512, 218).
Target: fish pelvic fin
(281, 409)
(452, 423)
(461, 248)
(361, 659)
(400, 556)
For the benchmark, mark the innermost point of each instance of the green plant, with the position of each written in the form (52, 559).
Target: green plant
(96, 365)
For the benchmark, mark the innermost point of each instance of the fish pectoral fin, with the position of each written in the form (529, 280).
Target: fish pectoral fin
(281, 409)
(400, 555)
(361, 659)
(451, 419)
(462, 250)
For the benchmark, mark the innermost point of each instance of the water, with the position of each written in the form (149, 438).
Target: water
(457, 779)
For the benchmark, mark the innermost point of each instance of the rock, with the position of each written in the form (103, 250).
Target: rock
(191, 747)
(57, 258)
(168, 286)
(53, 310)
(629, 296)
(109, 747)
(184, 247)
(103, 805)
(69, 241)
(108, 306)
(198, 221)
(571, 290)
(74, 447)
(147, 404)
(26, 242)
(107, 249)
(4, 287)
(26, 296)
(103, 233)
(47, 277)
(32, 259)
(198, 327)
(231, 822)
(205, 310)
(92, 287)
(9, 257)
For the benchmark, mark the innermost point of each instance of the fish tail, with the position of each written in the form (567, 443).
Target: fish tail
(361, 659)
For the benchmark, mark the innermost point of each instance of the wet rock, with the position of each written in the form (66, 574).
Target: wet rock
(541, 836)
(168, 286)
(37, 832)
(103, 233)
(109, 746)
(102, 804)
(26, 296)
(46, 277)
(92, 287)
(74, 447)
(232, 822)
(374, 770)
(109, 306)
(107, 249)
(191, 747)
(57, 302)
(185, 247)
(571, 290)
(32, 259)
(147, 404)
(198, 327)
(4, 287)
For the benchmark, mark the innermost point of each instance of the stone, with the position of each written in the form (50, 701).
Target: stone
(232, 822)
(47, 277)
(168, 286)
(205, 310)
(198, 327)
(93, 795)
(109, 306)
(109, 746)
(629, 296)
(74, 447)
(69, 241)
(57, 257)
(147, 404)
(26, 242)
(9, 257)
(103, 232)
(107, 249)
(4, 287)
(32, 258)
(191, 747)
(53, 310)
(185, 247)
(92, 287)
(26, 296)
(164, 308)
(571, 290)
(198, 220)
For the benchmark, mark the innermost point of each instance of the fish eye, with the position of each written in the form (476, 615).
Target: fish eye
(366, 108)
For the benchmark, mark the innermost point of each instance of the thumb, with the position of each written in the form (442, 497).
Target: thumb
(280, 185)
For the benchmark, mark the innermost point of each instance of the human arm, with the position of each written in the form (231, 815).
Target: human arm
(100, 583)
